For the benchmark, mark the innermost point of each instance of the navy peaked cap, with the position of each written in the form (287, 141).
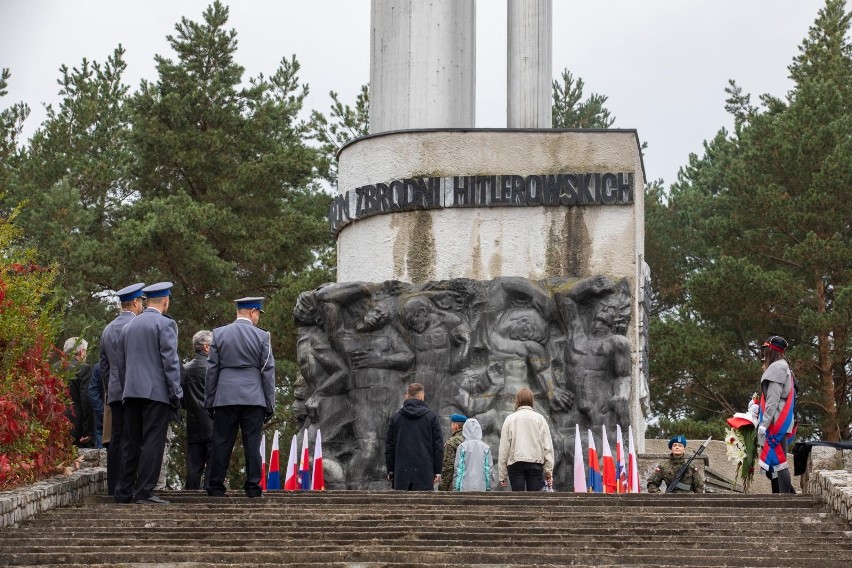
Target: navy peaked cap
(251, 303)
(130, 292)
(158, 290)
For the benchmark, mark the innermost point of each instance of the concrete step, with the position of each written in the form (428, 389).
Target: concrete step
(393, 529)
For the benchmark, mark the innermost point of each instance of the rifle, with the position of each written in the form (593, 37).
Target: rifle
(670, 487)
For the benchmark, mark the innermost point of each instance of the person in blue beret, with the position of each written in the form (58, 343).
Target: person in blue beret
(691, 482)
(456, 438)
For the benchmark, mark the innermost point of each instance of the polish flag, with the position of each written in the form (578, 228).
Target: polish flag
(632, 466)
(274, 477)
(318, 479)
(620, 470)
(608, 465)
(579, 468)
(305, 469)
(263, 462)
(291, 481)
(595, 481)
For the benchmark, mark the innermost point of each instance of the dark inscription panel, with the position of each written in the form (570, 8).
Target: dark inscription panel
(421, 193)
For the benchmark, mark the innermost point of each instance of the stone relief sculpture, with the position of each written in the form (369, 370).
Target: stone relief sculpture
(472, 344)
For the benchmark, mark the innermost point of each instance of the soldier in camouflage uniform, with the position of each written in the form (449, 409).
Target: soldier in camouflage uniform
(692, 480)
(456, 438)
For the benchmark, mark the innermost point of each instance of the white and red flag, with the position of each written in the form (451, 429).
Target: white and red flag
(318, 479)
(620, 467)
(609, 482)
(632, 466)
(263, 462)
(579, 468)
(291, 479)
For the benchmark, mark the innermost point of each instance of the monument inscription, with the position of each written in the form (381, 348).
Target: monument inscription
(423, 193)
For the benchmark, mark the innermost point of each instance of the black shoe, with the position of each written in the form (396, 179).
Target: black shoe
(153, 500)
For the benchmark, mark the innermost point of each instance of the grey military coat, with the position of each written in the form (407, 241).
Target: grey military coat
(112, 353)
(241, 368)
(151, 367)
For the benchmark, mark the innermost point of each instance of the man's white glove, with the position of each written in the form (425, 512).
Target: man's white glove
(753, 407)
(761, 435)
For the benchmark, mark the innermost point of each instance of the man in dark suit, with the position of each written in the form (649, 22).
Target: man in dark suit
(199, 426)
(112, 352)
(240, 393)
(414, 445)
(150, 372)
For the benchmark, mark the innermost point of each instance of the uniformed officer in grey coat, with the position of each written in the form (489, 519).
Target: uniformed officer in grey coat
(150, 372)
(239, 393)
(112, 352)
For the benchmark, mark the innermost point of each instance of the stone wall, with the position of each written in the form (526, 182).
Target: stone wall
(25, 502)
(835, 488)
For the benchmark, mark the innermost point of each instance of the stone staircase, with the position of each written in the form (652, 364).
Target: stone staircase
(393, 529)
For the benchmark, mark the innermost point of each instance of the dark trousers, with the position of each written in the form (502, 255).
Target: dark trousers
(249, 420)
(198, 458)
(114, 449)
(783, 483)
(146, 423)
(526, 476)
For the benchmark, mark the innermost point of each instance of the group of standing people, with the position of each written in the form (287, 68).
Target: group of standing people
(229, 385)
(417, 458)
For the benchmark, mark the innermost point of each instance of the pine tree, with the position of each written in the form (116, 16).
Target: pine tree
(225, 202)
(345, 123)
(763, 234)
(73, 178)
(570, 111)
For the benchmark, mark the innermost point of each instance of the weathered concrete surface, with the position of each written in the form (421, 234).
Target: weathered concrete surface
(444, 529)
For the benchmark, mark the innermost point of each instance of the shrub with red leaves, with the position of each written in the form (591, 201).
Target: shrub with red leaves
(34, 432)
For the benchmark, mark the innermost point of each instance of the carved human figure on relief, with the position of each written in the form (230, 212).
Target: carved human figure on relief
(518, 338)
(441, 341)
(376, 356)
(322, 389)
(598, 359)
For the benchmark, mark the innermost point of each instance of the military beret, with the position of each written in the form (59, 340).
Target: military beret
(458, 418)
(679, 439)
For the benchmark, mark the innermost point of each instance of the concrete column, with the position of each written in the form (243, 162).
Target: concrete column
(422, 64)
(530, 64)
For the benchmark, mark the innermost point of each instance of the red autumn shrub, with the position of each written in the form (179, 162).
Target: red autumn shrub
(34, 432)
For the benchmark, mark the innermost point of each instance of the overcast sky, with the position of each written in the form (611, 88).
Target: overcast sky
(663, 64)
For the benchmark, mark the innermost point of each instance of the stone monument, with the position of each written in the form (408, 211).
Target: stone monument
(474, 261)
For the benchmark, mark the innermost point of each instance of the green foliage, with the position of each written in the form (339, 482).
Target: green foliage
(34, 432)
(570, 111)
(202, 177)
(688, 427)
(74, 179)
(345, 123)
(754, 240)
(226, 202)
(11, 122)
